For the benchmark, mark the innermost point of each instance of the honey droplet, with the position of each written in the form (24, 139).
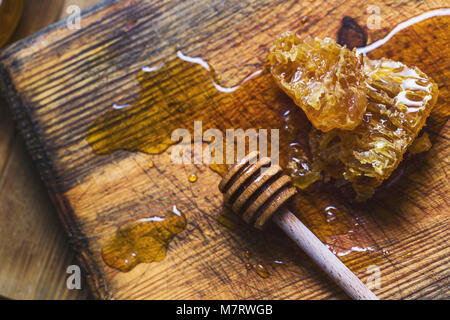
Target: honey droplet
(262, 271)
(330, 214)
(351, 234)
(277, 262)
(407, 255)
(144, 241)
(150, 164)
(193, 177)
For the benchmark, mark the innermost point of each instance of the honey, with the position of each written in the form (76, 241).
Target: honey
(147, 124)
(262, 271)
(193, 177)
(260, 267)
(10, 13)
(330, 214)
(145, 240)
(176, 92)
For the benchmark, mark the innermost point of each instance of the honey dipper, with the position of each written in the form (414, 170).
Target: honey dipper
(242, 186)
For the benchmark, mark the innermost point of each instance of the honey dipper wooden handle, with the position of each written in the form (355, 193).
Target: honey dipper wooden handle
(257, 191)
(323, 257)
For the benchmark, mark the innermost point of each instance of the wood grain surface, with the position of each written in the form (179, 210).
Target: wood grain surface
(34, 251)
(59, 81)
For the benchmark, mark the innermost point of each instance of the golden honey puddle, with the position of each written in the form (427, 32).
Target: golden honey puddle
(144, 241)
(147, 124)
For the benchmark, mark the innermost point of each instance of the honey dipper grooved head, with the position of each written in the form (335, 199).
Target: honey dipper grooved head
(256, 189)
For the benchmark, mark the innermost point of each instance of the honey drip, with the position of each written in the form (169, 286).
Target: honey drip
(183, 89)
(193, 178)
(259, 267)
(262, 271)
(145, 240)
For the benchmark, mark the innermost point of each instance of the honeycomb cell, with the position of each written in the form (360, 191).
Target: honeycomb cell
(323, 78)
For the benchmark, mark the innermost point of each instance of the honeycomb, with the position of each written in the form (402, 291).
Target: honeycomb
(302, 171)
(323, 78)
(399, 100)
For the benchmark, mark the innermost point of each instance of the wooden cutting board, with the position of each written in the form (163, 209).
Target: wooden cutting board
(59, 81)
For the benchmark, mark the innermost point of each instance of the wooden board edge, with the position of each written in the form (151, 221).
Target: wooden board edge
(22, 120)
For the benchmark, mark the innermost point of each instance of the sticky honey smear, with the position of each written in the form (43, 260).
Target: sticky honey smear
(144, 241)
(174, 95)
(400, 99)
(323, 78)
